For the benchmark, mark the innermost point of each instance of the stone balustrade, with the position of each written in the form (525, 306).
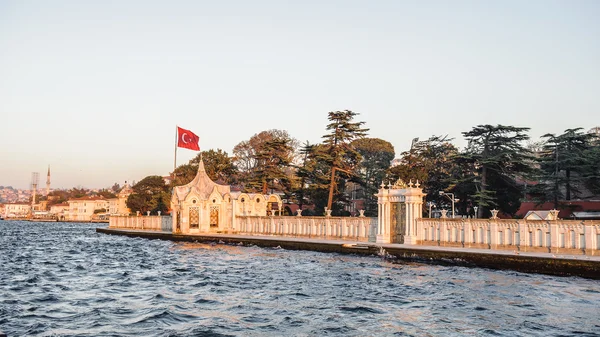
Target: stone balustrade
(152, 222)
(555, 236)
(341, 228)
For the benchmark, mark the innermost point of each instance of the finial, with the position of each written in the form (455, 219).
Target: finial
(417, 184)
(410, 183)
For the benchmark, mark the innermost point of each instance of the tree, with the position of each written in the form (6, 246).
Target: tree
(376, 158)
(218, 165)
(496, 156)
(264, 161)
(563, 164)
(431, 162)
(302, 174)
(107, 194)
(273, 158)
(342, 157)
(183, 174)
(314, 175)
(149, 194)
(591, 170)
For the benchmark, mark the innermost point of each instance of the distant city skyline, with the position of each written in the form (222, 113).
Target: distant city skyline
(95, 89)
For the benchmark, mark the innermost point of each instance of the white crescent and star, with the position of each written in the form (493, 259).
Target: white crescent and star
(183, 138)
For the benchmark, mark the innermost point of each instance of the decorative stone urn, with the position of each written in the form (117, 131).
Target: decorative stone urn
(444, 211)
(494, 214)
(299, 212)
(362, 213)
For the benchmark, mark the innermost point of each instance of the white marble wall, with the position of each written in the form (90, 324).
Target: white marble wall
(526, 235)
(346, 228)
(152, 223)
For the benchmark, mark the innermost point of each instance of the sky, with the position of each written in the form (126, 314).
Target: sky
(95, 89)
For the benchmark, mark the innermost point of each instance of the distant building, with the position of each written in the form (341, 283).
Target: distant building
(118, 205)
(61, 211)
(17, 210)
(541, 215)
(568, 209)
(83, 209)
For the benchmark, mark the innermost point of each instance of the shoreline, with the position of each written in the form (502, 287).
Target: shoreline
(538, 263)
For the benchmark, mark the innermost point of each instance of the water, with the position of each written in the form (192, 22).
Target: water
(64, 279)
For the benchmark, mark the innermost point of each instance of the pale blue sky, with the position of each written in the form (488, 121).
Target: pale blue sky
(95, 88)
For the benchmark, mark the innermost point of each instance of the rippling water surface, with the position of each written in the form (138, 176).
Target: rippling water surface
(64, 279)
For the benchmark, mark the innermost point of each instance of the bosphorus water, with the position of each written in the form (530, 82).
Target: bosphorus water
(64, 279)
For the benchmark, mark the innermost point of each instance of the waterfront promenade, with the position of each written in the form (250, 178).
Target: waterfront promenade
(529, 262)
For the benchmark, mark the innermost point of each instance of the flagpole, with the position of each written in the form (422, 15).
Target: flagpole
(175, 160)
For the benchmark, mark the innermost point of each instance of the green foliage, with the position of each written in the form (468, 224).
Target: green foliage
(149, 194)
(115, 188)
(495, 157)
(100, 210)
(183, 174)
(377, 155)
(565, 166)
(265, 162)
(315, 177)
(591, 169)
(107, 194)
(218, 165)
(432, 163)
(343, 158)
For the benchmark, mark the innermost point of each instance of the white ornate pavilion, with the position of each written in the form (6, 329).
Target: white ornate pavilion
(203, 206)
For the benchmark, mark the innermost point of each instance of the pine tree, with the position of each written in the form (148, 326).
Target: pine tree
(343, 130)
(563, 165)
(497, 157)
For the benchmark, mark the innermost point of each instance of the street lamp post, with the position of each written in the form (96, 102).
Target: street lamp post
(430, 204)
(451, 197)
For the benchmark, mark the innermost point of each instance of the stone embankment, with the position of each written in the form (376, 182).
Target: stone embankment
(528, 262)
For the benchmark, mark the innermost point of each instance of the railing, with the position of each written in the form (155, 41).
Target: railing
(153, 222)
(342, 228)
(557, 236)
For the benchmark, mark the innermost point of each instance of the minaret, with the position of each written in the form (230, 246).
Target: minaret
(48, 182)
(34, 183)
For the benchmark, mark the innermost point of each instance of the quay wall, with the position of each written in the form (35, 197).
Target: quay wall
(519, 235)
(432, 255)
(543, 236)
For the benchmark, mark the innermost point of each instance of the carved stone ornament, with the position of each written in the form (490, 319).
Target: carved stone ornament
(399, 184)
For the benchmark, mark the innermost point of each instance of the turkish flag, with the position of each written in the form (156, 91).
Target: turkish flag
(187, 139)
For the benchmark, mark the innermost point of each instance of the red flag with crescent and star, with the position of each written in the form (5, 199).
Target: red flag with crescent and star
(187, 139)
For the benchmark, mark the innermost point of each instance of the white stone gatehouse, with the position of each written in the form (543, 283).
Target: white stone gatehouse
(399, 206)
(203, 206)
